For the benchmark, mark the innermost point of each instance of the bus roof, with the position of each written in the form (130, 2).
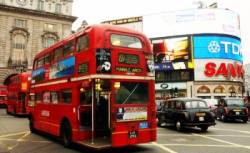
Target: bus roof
(98, 28)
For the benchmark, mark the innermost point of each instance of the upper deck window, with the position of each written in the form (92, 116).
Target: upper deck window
(58, 53)
(125, 41)
(68, 48)
(82, 43)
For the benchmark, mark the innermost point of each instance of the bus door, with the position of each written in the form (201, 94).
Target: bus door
(85, 108)
(102, 108)
(21, 102)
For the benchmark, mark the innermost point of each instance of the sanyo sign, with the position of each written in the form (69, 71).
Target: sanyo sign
(218, 47)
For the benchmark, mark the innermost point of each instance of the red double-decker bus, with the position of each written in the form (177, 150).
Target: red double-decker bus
(3, 95)
(18, 87)
(96, 88)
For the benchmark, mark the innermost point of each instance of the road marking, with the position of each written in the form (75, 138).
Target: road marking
(163, 147)
(18, 140)
(13, 134)
(200, 145)
(25, 140)
(221, 135)
(222, 141)
(233, 130)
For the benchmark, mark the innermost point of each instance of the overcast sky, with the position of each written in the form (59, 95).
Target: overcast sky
(96, 11)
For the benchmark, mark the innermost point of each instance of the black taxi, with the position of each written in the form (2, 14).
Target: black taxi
(182, 112)
(231, 109)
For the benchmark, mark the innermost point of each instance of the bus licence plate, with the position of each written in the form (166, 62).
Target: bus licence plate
(132, 134)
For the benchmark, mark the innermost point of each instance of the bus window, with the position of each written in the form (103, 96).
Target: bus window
(125, 41)
(54, 97)
(82, 43)
(35, 64)
(40, 62)
(132, 93)
(85, 96)
(46, 97)
(67, 96)
(58, 53)
(68, 49)
(47, 59)
(38, 97)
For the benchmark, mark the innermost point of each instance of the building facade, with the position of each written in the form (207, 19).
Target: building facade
(197, 52)
(27, 27)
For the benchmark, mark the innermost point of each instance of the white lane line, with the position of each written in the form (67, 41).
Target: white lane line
(163, 147)
(233, 130)
(18, 140)
(25, 140)
(222, 141)
(13, 134)
(199, 145)
(220, 135)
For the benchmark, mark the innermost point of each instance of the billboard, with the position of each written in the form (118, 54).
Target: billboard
(192, 21)
(218, 70)
(172, 53)
(218, 47)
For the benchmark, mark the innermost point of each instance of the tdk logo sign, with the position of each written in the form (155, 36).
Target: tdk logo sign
(214, 47)
(207, 47)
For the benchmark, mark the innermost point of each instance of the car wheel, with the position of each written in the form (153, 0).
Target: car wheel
(204, 128)
(178, 125)
(223, 118)
(160, 121)
(245, 120)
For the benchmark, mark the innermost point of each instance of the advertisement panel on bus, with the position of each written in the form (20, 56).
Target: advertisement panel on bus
(217, 46)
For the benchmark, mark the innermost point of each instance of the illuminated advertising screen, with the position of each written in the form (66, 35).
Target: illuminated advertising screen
(217, 47)
(191, 21)
(218, 70)
(172, 53)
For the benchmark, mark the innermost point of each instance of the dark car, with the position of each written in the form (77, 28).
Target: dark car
(231, 109)
(182, 112)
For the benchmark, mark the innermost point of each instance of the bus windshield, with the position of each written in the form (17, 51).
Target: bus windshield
(132, 93)
(126, 41)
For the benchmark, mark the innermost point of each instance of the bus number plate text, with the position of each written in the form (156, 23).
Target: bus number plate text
(132, 134)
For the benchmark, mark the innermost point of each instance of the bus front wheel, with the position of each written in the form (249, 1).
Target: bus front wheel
(66, 134)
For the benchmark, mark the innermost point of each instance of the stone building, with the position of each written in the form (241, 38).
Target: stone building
(27, 27)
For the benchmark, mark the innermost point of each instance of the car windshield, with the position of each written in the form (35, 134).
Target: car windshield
(235, 102)
(211, 102)
(195, 104)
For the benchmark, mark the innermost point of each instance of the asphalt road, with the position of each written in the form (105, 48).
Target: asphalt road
(232, 137)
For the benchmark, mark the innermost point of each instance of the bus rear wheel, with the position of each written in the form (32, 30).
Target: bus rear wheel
(66, 134)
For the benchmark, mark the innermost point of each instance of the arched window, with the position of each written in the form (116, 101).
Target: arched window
(19, 42)
(18, 52)
(203, 89)
(219, 89)
(240, 90)
(232, 89)
(49, 39)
